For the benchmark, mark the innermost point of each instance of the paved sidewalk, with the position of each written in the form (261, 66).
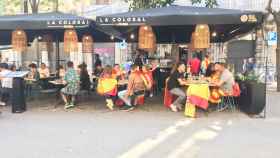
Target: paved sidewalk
(150, 131)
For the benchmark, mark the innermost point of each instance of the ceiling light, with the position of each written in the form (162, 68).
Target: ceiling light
(214, 34)
(132, 36)
(112, 37)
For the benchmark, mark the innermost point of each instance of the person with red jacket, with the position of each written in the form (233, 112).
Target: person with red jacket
(194, 64)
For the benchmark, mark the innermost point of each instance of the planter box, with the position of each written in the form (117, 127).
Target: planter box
(253, 97)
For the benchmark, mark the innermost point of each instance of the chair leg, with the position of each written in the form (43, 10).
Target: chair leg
(224, 104)
(231, 103)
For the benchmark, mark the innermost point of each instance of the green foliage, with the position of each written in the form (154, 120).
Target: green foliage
(207, 3)
(250, 77)
(16, 6)
(144, 4)
(1, 7)
(11, 6)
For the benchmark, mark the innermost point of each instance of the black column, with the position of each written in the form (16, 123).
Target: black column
(18, 97)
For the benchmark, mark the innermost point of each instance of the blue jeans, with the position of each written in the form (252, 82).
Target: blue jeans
(180, 94)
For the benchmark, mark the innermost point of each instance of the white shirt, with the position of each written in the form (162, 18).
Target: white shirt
(6, 82)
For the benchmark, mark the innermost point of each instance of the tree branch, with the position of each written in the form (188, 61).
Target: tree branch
(37, 4)
(269, 8)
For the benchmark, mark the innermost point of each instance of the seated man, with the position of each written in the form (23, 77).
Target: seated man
(174, 85)
(32, 77)
(226, 81)
(34, 74)
(84, 77)
(136, 87)
(44, 75)
(72, 87)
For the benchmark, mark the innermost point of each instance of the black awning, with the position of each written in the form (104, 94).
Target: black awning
(175, 24)
(182, 15)
(46, 21)
(53, 23)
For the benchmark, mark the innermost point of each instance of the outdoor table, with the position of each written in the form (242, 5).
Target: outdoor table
(29, 79)
(197, 97)
(58, 82)
(53, 74)
(44, 82)
(200, 83)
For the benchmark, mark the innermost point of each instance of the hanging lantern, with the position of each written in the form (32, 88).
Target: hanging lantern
(70, 41)
(87, 44)
(201, 36)
(146, 38)
(19, 40)
(47, 43)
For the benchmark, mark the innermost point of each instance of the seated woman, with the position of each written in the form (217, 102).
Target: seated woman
(72, 87)
(213, 76)
(136, 87)
(44, 75)
(34, 74)
(175, 86)
(107, 86)
(84, 78)
(32, 77)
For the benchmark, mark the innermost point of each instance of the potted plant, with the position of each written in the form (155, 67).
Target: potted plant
(252, 99)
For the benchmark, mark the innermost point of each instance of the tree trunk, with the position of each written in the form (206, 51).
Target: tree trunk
(34, 5)
(25, 6)
(55, 5)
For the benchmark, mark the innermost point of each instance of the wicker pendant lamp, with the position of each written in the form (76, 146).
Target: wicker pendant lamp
(146, 38)
(70, 41)
(201, 37)
(19, 40)
(87, 44)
